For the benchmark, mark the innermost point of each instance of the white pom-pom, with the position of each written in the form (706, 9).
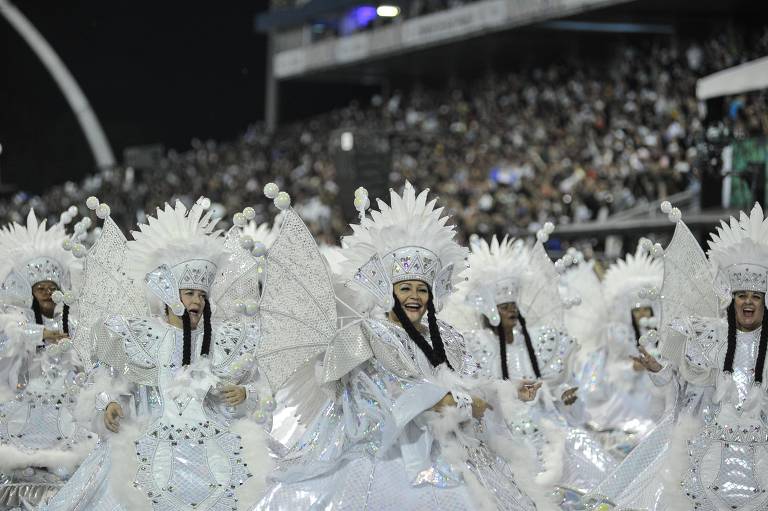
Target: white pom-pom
(559, 266)
(653, 322)
(542, 236)
(362, 203)
(549, 227)
(251, 308)
(650, 338)
(65, 218)
(646, 244)
(271, 190)
(57, 296)
(657, 250)
(675, 215)
(69, 298)
(240, 308)
(204, 202)
(246, 242)
(79, 250)
(259, 249)
(67, 244)
(567, 259)
(87, 222)
(643, 322)
(666, 207)
(79, 227)
(72, 210)
(92, 202)
(361, 192)
(282, 201)
(103, 211)
(249, 213)
(239, 219)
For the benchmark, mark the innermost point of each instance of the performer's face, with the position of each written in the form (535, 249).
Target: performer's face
(639, 313)
(413, 296)
(42, 291)
(508, 314)
(194, 302)
(750, 307)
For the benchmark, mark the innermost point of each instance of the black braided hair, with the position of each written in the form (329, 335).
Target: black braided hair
(731, 351)
(37, 311)
(186, 358)
(636, 328)
(206, 328)
(760, 364)
(503, 351)
(434, 331)
(65, 318)
(416, 337)
(529, 346)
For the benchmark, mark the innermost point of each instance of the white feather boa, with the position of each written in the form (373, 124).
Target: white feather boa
(56, 460)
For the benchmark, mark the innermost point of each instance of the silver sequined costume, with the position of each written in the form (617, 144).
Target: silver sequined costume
(374, 446)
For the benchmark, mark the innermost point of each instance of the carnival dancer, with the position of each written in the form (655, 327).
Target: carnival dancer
(401, 429)
(708, 453)
(41, 440)
(188, 371)
(609, 321)
(518, 335)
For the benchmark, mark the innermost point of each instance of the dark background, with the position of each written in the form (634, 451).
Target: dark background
(154, 72)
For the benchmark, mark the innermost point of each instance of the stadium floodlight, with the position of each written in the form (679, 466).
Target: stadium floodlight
(347, 141)
(388, 11)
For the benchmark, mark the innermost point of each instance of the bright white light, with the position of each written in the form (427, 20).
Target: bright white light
(347, 141)
(387, 11)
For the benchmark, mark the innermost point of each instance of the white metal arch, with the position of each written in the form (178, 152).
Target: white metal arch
(90, 125)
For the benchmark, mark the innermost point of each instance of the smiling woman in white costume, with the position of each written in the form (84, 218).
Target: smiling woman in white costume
(709, 453)
(402, 431)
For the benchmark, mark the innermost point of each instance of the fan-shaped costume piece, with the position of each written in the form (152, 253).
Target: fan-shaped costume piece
(539, 348)
(181, 446)
(714, 441)
(376, 443)
(41, 438)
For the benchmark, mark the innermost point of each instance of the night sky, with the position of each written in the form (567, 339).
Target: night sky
(154, 72)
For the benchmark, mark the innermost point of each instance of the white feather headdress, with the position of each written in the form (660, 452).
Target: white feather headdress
(176, 249)
(498, 271)
(633, 282)
(30, 254)
(407, 239)
(739, 251)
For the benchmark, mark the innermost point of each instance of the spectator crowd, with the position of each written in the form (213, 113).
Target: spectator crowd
(567, 142)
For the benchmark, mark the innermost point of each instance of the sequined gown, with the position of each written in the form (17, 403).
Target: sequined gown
(714, 442)
(620, 401)
(187, 457)
(374, 446)
(583, 463)
(41, 442)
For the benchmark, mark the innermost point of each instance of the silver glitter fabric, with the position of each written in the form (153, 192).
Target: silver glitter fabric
(359, 452)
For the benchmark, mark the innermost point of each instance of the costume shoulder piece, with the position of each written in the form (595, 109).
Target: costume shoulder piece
(456, 350)
(703, 336)
(552, 346)
(132, 344)
(233, 340)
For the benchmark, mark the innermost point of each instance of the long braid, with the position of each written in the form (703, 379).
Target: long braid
(636, 328)
(37, 311)
(206, 328)
(529, 347)
(65, 318)
(503, 351)
(761, 351)
(186, 358)
(434, 331)
(731, 351)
